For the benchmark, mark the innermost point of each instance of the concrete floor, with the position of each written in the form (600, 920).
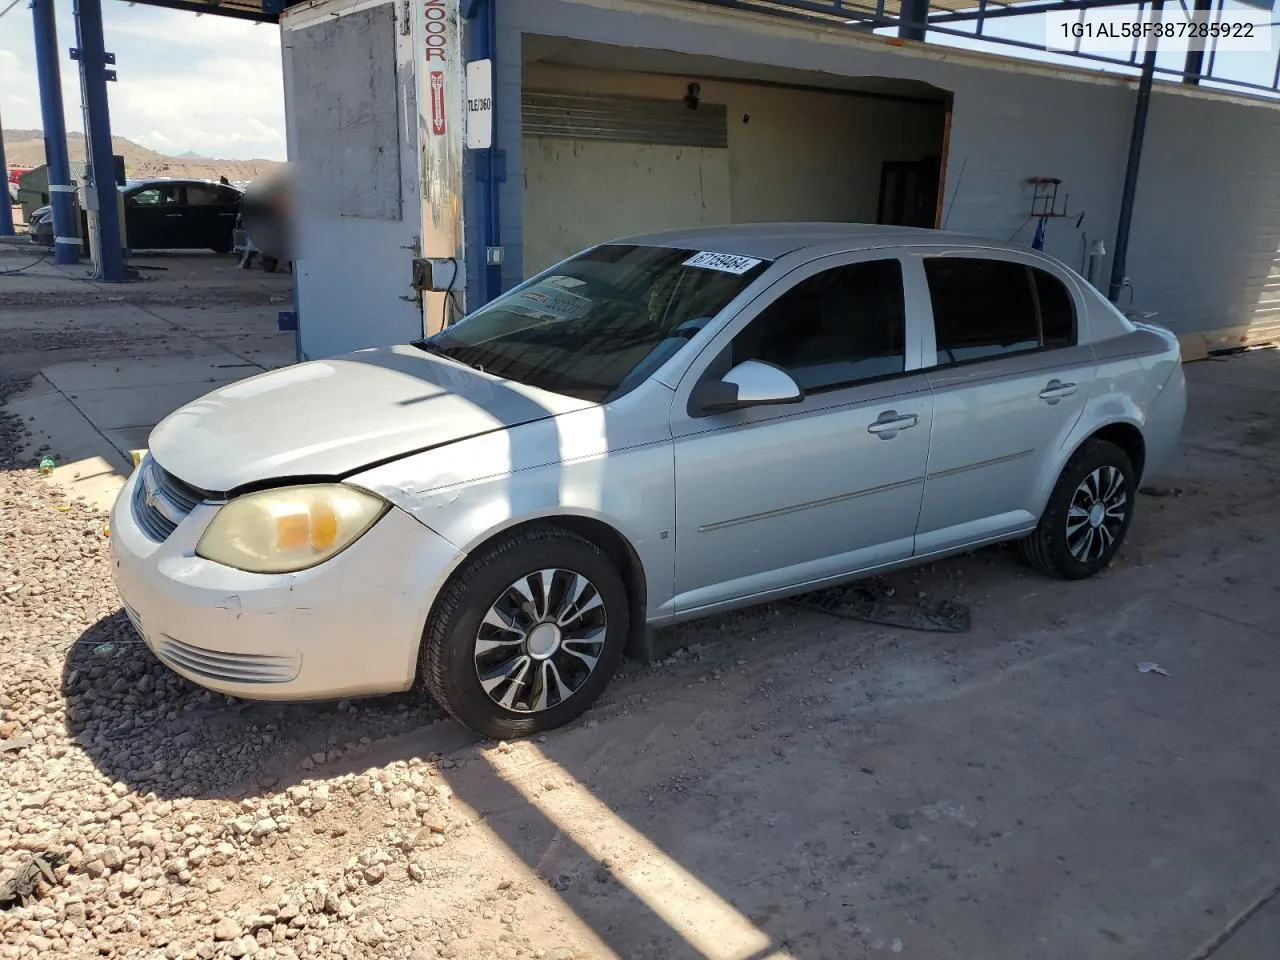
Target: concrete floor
(794, 785)
(102, 364)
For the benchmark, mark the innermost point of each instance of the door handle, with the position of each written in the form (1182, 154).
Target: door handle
(888, 424)
(1056, 390)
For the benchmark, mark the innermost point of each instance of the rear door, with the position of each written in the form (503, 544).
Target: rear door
(209, 216)
(1009, 382)
(153, 216)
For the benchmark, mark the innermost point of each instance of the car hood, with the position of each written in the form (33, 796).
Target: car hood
(329, 418)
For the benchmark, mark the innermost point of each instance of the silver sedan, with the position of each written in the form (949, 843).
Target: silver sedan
(655, 429)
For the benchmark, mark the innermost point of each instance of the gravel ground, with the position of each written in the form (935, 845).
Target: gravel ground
(142, 781)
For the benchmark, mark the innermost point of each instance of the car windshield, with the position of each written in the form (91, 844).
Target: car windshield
(600, 323)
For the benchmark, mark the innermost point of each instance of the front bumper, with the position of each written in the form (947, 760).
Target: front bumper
(348, 627)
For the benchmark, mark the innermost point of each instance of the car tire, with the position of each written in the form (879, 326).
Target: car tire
(500, 608)
(1087, 516)
(225, 246)
(269, 264)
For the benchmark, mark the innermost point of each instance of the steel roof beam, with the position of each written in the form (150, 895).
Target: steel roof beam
(1025, 10)
(213, 10)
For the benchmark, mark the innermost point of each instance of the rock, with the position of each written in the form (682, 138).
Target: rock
(265, 827)
(243, 947)
(36, 801)
(226, 929)
(112, 858)
(401, 799)
(151, 898)
(374, 873)
(129, 883)
(288, 910)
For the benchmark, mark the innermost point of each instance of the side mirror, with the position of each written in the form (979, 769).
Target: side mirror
(752, 383)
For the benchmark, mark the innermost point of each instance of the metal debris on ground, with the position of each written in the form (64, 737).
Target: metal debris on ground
(873, 601)
(20, 889)
(15, 744)
(1146, 666)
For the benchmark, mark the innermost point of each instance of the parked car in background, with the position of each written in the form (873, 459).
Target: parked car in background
(167, 215)
(655, 429)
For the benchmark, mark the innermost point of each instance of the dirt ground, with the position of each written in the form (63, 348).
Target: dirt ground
(784, 784)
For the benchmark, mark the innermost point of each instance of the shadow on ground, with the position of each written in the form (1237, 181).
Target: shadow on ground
(145, 726)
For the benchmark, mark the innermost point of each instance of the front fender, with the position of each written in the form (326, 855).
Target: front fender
(468, 492)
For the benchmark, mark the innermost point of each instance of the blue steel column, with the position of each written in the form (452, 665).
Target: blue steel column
(93, 81)
(66, 242)
(6, 208)
(489, 162)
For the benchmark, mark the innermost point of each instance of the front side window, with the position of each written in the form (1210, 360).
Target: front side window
(988, 308)
(835, 328)
(155, 197)
(602, 323)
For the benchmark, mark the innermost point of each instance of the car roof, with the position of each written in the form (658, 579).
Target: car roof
(158, 181)
(769, 241)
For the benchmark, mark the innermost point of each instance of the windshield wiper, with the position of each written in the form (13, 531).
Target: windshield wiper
(427, 346)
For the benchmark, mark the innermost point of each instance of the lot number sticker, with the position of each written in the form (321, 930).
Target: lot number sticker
(724, 262)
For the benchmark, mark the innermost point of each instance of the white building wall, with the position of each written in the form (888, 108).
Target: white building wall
(1203, 253)
(792, 154)
(1205, 249)
(1010, 121)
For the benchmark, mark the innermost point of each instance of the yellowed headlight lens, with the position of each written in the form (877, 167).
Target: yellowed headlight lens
(278, 531)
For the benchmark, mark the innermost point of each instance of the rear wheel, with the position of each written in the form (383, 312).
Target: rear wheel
(1087, 516)
(224, 246)
(527, 634)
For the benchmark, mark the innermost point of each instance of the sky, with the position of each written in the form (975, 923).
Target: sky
(211, 85)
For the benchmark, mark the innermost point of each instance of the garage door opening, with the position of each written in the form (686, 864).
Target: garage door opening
(619, 140)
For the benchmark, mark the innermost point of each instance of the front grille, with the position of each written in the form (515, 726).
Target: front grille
(229, 667)
(161, 501)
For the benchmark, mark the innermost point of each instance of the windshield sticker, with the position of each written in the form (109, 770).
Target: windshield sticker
(567, 283)
(724, 262)
(550, 300)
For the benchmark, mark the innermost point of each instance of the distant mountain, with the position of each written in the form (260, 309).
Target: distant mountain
(25, 148)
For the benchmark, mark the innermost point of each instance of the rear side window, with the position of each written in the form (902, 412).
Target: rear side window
(989, 308)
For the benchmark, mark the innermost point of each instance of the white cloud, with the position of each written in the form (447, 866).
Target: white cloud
(208, 84)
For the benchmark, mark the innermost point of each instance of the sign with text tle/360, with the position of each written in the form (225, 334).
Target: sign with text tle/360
(480, 104)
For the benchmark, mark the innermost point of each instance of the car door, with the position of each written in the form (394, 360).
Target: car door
(209, 216)
(773, 497)
(151, 214)
(1009, 383)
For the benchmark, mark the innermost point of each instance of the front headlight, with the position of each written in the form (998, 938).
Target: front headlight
(280, 531)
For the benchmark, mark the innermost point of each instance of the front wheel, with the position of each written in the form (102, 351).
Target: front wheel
(1087, 516)
(526, 636)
